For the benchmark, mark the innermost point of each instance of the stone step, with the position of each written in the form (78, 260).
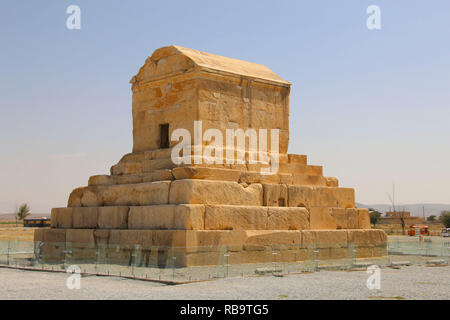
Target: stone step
(198, 191)
(194, 217)
(203, 247)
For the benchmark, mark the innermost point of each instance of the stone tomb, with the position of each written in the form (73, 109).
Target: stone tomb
(150, 207)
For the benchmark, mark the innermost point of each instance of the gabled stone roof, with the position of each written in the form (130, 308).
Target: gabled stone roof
(175, 59)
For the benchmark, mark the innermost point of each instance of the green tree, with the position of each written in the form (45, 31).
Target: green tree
(374, 216)
(24, 211)
(431, 218)
(445, 218)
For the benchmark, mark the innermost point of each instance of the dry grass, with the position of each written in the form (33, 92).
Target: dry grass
(9, 231)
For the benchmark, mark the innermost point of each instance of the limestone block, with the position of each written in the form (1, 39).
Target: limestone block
(159, 175)
(206, 240)
(184, 217)
(332, 182)
(228, 217)
(297, 158)
(158, 153)
(135, 194)
(308, 180)
(324, 239)
(274, 239)
(127, 168)
(250, 177)
(61, 218)
(157, 164)
(286, 178)
(321, 218)
(190, 191)
(275, 195)
(91, 196)
(367, 238)
(287, 218)
(334, 197)
(113, 217)
(206, 173)
(101, 237)
(85, 217)
(314, 170)
(189, 217)
(100, 180)
(133, 157)
(127, 238)
(300, 196)
(75, 197)
(50, 235)
(128, 179)
(151, 217)
(81, 238)
(345, 218)
(363, 219)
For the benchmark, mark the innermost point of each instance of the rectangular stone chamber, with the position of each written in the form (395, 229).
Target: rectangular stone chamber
(149, 209)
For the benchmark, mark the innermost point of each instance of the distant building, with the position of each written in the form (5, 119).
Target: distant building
(394, 217)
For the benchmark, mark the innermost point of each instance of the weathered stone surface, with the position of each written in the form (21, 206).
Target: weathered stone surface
(332, 182)
(334, 197)
(324, 239)
(273, 237)
(275, 195)
(61, 218)
(100, 180)
(287, 219)
(189, 217)
(159, 175)
(226, 217)
(75, 197)
(50, 235)
(367, 238)
(300, 196)
(151, 217)
(190, 191)
(128, 178)
(321, 218)
(206, 173)
(363, 219)
(184, 217)
(250, 177)
(81, 238)
(113, 217)
(345, 218)
(85, 217)
(297, 158)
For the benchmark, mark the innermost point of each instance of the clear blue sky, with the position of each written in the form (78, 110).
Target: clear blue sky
(372, 107)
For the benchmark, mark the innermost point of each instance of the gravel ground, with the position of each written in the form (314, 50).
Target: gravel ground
(415, 282)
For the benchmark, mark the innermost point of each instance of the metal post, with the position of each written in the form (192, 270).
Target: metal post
(7, 256)
(173, 267)
(274, 261)
(227, 265)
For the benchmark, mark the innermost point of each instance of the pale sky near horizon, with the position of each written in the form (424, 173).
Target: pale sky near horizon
(371, 106)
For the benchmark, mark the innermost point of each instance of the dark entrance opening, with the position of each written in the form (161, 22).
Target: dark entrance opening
(164, 136)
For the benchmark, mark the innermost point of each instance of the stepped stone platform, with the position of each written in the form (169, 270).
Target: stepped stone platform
(151, 207)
